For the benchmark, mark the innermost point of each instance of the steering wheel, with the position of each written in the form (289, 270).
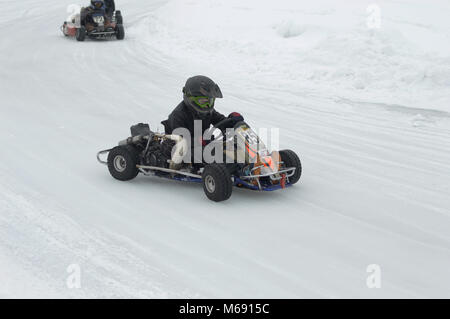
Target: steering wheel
(222, 126)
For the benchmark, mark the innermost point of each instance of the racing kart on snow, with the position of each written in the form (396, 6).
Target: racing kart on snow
(102, 26)
(150, 153)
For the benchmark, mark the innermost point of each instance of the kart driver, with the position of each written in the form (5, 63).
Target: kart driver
(199, 95)
(110, 7)
(86, 13)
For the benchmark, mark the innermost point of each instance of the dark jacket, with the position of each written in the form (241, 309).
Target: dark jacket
(110, 6)
(184, 116)
(87, 13)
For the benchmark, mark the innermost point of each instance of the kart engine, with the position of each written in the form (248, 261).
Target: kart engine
(159, 153)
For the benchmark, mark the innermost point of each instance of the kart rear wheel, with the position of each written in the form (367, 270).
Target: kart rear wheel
(81, 33)
(120, 32)
(122, 161)
(217, 183)
(291, 159)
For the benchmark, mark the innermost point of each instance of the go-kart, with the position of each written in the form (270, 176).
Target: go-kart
(101, 27)
(247, 163)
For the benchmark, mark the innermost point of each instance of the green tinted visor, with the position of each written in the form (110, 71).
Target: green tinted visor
(203, 102)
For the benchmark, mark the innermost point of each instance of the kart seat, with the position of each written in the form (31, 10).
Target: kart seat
(166, 127)
(140, 129)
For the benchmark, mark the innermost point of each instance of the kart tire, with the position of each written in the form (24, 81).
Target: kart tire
(81, 34)
(122, 161)
(291, 159)
(119, 18)
(120, 32)
(217, 183)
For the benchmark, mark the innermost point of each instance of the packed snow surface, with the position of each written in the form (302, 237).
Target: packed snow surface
(359, 89)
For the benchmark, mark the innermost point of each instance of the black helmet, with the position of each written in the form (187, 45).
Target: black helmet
(200, 93)
(97, 3)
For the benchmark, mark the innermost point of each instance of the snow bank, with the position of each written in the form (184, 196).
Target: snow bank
(330, 48)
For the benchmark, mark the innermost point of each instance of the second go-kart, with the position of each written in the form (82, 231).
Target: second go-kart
(98, 25)
(150, 153)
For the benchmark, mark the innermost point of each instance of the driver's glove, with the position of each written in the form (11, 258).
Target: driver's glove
(237, 117)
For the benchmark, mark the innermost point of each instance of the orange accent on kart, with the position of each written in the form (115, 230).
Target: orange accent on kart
(268, 162)
(283, 181)
(71, 31)
(250, 151)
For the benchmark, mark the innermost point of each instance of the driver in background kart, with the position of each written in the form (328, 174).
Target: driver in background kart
(97, 6)
(110, 7)
(199, 95)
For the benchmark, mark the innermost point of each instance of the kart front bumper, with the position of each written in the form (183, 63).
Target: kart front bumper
(101, 34)
(266, 188)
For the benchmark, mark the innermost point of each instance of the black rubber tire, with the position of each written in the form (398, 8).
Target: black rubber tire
(81, 34)
(120, 32)
(130, 159)
(119, 18)
(291, 159)
(223, 184)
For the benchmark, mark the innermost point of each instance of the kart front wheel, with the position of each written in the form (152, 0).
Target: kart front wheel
(81, 33)
(120, 32)
(217, 183)
(122, 161)
(291, 159)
